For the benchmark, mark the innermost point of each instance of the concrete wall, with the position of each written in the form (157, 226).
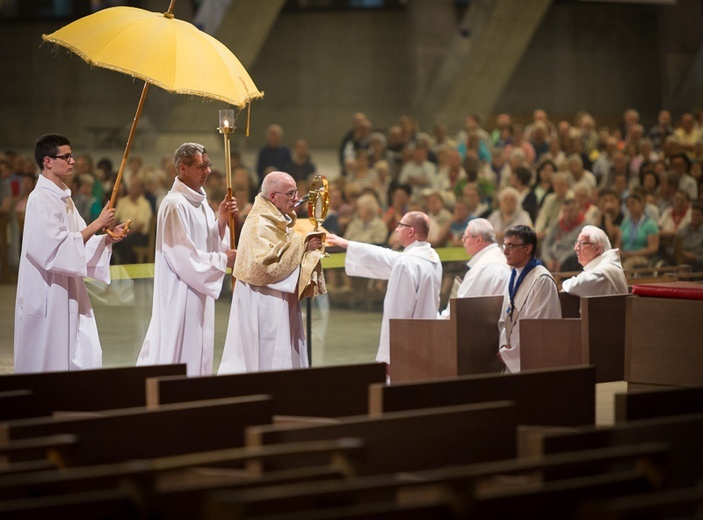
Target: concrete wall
(318, 68)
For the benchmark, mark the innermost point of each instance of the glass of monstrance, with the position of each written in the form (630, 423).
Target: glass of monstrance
(318, 202)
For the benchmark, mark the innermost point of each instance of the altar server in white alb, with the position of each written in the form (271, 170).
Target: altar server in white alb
(487, 271)
(55, 328)
(602, 271)
(531, 293)
(275, 268)
(193, 252)
(414, 275)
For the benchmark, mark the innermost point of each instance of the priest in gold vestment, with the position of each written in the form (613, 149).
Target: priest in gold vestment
(275, 267)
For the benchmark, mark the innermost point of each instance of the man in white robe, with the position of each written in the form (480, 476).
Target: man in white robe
(602, 271)
(488, 272)
(265, 330)
(414, 275)
(55, 328)
(531, 293)
(192, 254)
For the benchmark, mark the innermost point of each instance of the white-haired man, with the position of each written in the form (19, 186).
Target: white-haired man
(602, 271)
(487, 272)
(273, 266)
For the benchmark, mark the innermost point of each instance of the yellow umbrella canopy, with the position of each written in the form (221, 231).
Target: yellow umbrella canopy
(161, 50)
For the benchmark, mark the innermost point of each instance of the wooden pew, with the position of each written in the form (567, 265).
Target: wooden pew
(118, 435)
(471, 489)
(551, 397)
(596, 338)
(681, 432)
(412, 440)
(466, 343)
(663, 345)
(184, 480)
(660, 402)
(113, 504)
(659, 505)
(88, 390)
(19, 404)
(332, 391)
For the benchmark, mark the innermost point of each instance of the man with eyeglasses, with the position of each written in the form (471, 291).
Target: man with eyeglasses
(55, 328)
(602, 271)
(487, 271)
(274, 267)
(531, 293)
(193, 252)
(414, 275)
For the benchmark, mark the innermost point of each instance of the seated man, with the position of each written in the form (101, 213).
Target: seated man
(487, 271)
(602, 270)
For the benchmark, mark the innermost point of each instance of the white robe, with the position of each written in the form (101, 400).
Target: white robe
(536, 298)
(488, 275)
(601, 276)
(265, 329)
(414, 282)
(189, 266)
(55, 328)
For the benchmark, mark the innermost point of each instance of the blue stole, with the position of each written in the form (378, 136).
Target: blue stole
(513, 286)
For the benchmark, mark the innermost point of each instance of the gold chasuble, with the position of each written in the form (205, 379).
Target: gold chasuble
(270, 250)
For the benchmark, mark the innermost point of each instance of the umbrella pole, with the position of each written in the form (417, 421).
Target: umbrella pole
(125, 156)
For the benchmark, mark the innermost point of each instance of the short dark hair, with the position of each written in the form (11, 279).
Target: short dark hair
(526, 235)
(48, 145)
(524, 175)
(685, 159)
(609, 191)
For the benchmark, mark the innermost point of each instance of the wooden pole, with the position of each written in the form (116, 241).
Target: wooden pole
(125, 155)
(228, 174)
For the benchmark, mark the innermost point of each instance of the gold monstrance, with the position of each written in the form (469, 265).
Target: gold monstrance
(318, 202)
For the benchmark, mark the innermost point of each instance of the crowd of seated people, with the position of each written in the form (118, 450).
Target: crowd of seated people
(638, 181)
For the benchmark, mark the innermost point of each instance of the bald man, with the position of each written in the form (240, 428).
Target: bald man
(273, 268)
(414, 275)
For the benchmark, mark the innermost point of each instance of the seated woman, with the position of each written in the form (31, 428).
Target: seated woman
(640, 235)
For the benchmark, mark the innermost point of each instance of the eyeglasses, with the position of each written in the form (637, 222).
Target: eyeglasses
(66, 157)
(581, 243)
(403, 224)
(290, 194)
(510, 247)
(203, 166)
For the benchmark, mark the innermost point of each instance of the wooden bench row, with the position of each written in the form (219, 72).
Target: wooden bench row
(447, 446)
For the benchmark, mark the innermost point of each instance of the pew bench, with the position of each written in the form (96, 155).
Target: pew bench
(413, 440)
(87, 390)
(682, 433)
(550, 397)
(134, 433)
(331, 391)
(661, 402)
